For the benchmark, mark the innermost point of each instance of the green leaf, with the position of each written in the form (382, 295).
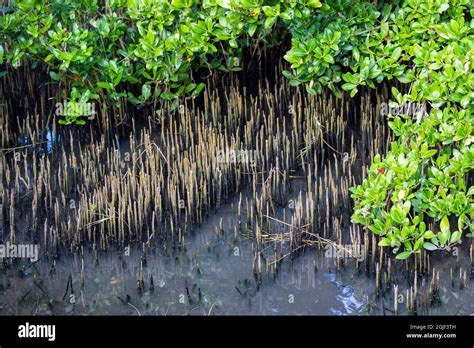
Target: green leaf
(54, 76)
(430, 153)
(470, 192)
(168, 95)
(430, 246)
(404, 78)
(348, 86)
(233, 43)
(104, 85)
(268, 22)
(269, 11)
(428, 234)
(252, 28)
(385, 242)
(455, 237)
(404, 255)
(351, 78)
(356, 54)
(180, 3)
(314, 3)
(443, 7)
(146, 92)
(444, 226)
(418, 244)
(397, 52)
(198, 89)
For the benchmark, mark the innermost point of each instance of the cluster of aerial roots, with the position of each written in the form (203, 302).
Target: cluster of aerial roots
(290, 157)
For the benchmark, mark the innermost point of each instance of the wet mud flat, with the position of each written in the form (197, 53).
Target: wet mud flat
(236, 203)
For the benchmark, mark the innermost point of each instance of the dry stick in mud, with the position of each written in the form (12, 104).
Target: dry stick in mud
(316, 238)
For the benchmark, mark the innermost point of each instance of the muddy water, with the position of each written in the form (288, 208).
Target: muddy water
(211, 268)
(211, 275)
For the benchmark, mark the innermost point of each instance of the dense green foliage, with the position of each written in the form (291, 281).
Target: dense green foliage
(425, 173)
(98, 46)
(100, 50)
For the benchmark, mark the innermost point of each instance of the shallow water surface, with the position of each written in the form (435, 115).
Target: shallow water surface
(213, 274)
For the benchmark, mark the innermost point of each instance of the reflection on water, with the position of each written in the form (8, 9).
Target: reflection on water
(346, 297)
(51, 139)
(213, 274)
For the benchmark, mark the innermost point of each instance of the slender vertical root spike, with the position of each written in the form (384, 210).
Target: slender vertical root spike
(395, 299)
